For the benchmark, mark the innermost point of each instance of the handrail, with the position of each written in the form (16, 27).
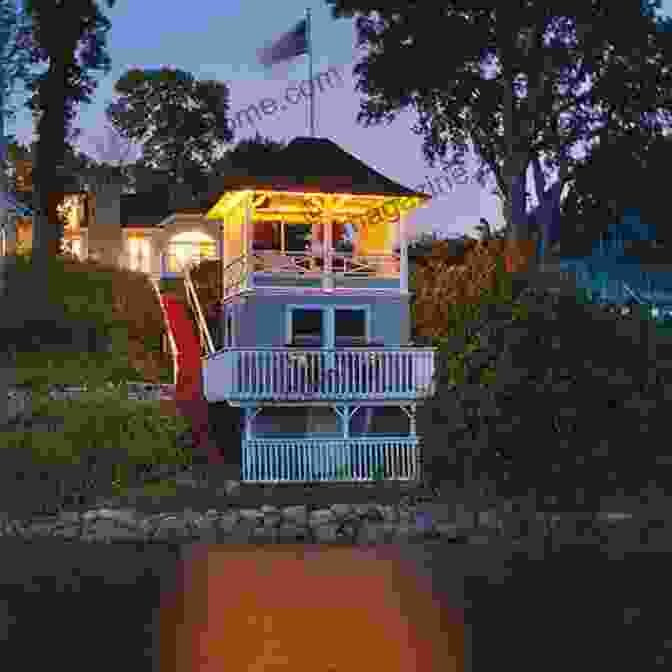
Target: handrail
(192, 297)
(292, 349)
(298, 351)
(171, 338)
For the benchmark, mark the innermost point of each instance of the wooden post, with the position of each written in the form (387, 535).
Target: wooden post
(248, 227)
(403, 255)
(327, 263)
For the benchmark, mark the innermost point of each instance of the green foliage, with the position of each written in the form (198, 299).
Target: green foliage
(171, 285)
(72, 56)
(549, 403)
(120, 306)
(106, 439)
(42, 369)
(622, 48)
(103, 427)
(252, 155)
(174, 116)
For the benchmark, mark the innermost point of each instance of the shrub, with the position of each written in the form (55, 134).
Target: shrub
(569, 394)
(92, 308)
(106, 442)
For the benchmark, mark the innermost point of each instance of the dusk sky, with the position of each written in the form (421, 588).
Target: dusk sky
(219, 40)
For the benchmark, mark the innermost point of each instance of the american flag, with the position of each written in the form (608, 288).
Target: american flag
(290, 45)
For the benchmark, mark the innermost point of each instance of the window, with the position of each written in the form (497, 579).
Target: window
(328, 327)
(191, 245)
(138, 254)
(77, 247)
(228, 331)
(307, 327)
(350, 327)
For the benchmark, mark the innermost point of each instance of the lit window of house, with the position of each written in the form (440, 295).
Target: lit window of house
(190, 245)
(77, 247)
(139, 254)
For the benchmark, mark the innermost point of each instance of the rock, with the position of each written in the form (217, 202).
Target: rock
(361, 524)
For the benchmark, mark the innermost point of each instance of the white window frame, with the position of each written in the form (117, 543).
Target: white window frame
(328, 321)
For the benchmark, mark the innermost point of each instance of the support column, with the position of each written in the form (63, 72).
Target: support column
(327, 262)
(250, 414)
(248, 228)
(222, 233)
(403, 254)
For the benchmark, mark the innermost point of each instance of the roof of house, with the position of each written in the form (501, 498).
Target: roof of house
(313, 164)
(150, 208)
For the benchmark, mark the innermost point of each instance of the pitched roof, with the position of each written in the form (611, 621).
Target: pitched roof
(314, 164)
(150, 208)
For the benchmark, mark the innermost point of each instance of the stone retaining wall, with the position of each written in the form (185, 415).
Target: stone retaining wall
(20, 396)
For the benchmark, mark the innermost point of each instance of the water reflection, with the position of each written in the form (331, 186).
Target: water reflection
(303, 607)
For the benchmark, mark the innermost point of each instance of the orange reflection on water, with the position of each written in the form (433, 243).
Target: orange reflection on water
(300, 607)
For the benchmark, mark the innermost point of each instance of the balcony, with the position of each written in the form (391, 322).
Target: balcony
(341, 374)
(273, 268)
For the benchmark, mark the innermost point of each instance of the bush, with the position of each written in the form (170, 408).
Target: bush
(555, 400)
(106, 442)
(92, 309)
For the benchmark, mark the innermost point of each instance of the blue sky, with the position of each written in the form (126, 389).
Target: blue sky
(219, 40)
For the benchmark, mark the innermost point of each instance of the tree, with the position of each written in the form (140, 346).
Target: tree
(252, 155)
(72, 51)
(180, 122)
(619, 173)
(512, 80)
(13, 68)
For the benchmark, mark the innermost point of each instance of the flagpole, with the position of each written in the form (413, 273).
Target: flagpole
(310, 74)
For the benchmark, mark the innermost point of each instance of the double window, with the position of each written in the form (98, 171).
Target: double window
(328, 326)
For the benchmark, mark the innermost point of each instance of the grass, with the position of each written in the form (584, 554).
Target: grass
(159, 489)
(121, 308)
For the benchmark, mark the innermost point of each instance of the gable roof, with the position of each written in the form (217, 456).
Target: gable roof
(314, 165)
(150, 208)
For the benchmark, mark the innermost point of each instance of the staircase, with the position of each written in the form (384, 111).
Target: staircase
(189, 386)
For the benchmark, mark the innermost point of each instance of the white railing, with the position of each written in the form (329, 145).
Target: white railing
(352, 459)
(343, 373)
(286, 263)
(301, 263)
(238, 273)
(192, 297)
(234, 276)
(377, 265)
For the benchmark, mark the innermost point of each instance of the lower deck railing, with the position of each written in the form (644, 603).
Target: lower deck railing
(344, 459)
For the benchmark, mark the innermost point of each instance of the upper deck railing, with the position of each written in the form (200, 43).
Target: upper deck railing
(327, 269)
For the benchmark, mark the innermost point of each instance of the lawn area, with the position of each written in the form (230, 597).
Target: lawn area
(105, 328)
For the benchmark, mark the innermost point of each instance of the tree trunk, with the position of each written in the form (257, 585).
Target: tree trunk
(50, 153)
(548, 212)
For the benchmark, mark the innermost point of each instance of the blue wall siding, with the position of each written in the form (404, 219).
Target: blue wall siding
(261, 319)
